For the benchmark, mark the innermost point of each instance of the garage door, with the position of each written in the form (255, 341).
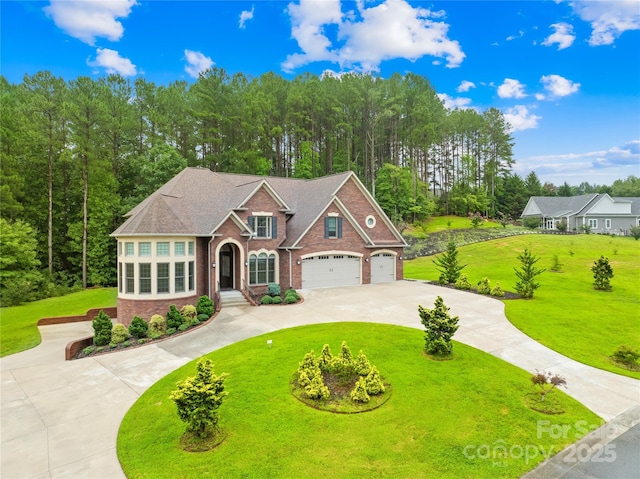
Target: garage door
(383, 268)
(325, 271)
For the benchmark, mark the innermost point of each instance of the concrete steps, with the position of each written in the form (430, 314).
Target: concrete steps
(233, 298)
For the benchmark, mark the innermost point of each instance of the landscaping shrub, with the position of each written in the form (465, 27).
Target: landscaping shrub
(202, 317)
(119, 334)
(556, 266)
(324, 361)
(293, 293)
(463, 283)
(373, 383)
(483, 286)
(138, 327)
(527, 274)
(188, 312)
(127, 343)
(198, 399)
(183, 327)
(173, 317)
(497, 291)
(627, 356)
(602, 274)
(440, 327)
(205, 306)
(88, 350)
(448, 264)
(359, 392)
(273, 289)
(290, 299)
(157, 326)
(362, 366)
(531, 223)
(171, 331)
(277, 300)
(102, 327)
(634, 231)
(142, 340)
(266, 299)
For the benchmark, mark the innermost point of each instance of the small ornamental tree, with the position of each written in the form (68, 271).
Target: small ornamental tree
(602, 274)
(503, 219)
(634, 231)
(527, 274)
(198, 399)
(449, 265)
(359, 392)
(324, 361)
(439, 326)
(547, 382)
(102, 327)
(484, 286)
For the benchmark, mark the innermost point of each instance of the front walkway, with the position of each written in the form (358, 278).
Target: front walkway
(60, 419)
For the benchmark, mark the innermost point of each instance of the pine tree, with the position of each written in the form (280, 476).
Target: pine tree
(602, 274)
(448, 265)
(527, 274)
(439, 326)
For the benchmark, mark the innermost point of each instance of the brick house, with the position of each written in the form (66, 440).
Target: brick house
(203, 232)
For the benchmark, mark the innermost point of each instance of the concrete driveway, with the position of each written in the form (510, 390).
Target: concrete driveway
(60, 419)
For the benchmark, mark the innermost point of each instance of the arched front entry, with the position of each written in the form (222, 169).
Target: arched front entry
(229, 259)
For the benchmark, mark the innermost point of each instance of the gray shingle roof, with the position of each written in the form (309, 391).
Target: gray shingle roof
(196, 200)
(556, 206)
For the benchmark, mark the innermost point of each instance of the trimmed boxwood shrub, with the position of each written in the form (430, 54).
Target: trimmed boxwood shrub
(183, 327)
(188, 312)
(205, 306)
(266, 299)
(138, 327)
(203, 317)
(273, 289)
(102, 327)
(290, 299)
(277, 300)
(293, 293)
(173, 317)
(483, 286)
(170, 331)
(119, 334)
(497, 290)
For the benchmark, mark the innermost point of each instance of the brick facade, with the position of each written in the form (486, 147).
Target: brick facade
(128, 308)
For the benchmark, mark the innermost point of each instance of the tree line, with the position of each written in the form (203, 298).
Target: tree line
(77, 154)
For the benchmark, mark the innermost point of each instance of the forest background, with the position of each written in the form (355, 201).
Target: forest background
(76, 155)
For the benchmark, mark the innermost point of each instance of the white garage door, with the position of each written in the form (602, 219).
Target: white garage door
(383, 268)
(325, 271)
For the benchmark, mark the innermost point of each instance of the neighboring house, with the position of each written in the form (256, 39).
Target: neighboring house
(203, 232)
(599, 212)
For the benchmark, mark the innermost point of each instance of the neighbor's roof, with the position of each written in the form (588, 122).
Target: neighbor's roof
(197, 200)
(557, 206)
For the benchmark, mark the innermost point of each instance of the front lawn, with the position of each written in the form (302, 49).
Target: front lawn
(566, 313)
(18, 324)
(463, 418)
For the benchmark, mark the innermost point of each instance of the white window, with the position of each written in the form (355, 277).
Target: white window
(162, 248)
(179, 277)
(163, 277)
(370, 221)
(178, 248)
(128, 249)
(593, 223)
(144, 277)
(607, 224)
(144, 249)
(262, 268)
(263, 226)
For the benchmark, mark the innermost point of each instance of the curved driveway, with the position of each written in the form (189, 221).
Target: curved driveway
(60, 418)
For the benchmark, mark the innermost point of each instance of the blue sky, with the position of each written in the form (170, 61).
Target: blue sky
(566, 74)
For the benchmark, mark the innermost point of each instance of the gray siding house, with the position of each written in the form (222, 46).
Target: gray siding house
(600, 212)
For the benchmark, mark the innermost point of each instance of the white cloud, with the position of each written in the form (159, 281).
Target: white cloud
(451, 103)
(511, 88)
(196, 62)
(513, 37)
(246, 15)
(559, 86)
(520, 118)
(466, 85)
(563, 36)
(392, 29)
(87, 20)
(608, 19)
(112, 62)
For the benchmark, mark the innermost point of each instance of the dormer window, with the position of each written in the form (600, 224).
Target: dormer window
(265, 227)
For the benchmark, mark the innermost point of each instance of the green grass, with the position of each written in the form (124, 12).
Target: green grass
(436, 410)
(444, 223)
(18, 324)
(566, 313)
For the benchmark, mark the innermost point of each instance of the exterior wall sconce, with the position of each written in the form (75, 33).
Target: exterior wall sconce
(246, 263)
(400, 258)
(213, 265)
(298, 262)
(366, 259)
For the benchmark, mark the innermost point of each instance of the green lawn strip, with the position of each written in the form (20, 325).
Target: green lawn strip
(566, 313)
(18, 324)
(437, 409)
(443, 223)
